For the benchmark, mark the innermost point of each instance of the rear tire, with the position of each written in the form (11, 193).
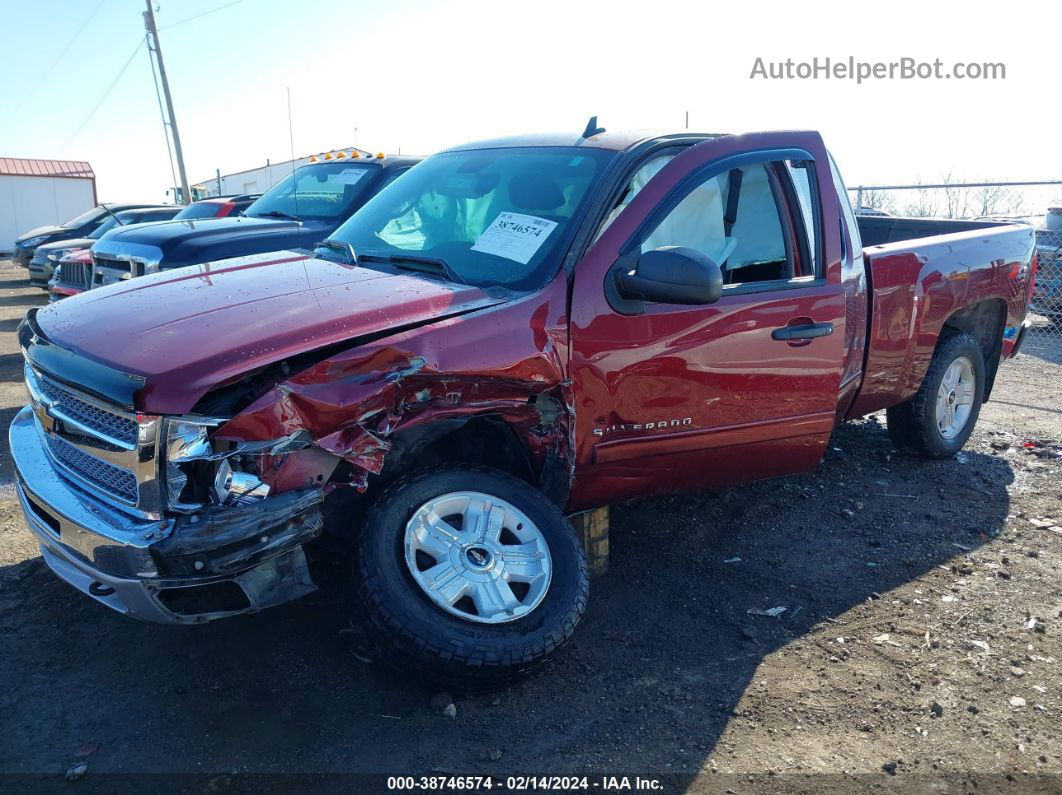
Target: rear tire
(939, 419)
(417, 620)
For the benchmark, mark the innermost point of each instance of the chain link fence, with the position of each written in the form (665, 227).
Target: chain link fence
(1038, 203)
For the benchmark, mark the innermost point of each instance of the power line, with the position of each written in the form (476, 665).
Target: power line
(197, 16)
(57, 59)
(105, 95)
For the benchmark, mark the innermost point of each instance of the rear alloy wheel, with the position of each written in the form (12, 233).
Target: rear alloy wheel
(938, 420)
(468, 576)
(955, 398)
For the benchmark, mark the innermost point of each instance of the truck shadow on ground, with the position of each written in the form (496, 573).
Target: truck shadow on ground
(19, 282)
(656, 672)
(10, 325)
(21, 299)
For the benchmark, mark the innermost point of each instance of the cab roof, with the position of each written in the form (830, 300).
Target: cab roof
(617, 140)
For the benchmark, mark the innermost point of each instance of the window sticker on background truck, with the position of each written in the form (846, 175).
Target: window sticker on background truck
(348, 176)
(514, 236)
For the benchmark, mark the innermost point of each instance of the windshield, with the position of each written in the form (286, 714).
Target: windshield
(198, 210)
(84, 218)
(103, 228)
(323, 191)
(493, 216)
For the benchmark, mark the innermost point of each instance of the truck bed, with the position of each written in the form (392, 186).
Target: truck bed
(924, 274)
(881, 230)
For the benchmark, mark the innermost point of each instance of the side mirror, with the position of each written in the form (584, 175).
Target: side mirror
(672, 275)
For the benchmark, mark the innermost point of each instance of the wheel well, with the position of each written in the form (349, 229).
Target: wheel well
(984, 321)
(476, 440)
(479, 440)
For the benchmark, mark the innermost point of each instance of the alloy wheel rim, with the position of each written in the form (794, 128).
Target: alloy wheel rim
(478, 557)
(955, 397)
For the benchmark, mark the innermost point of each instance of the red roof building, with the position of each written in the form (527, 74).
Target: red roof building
(35, 193)
(30, 167)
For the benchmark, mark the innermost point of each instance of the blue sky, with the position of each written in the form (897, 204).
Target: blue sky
(421, 75)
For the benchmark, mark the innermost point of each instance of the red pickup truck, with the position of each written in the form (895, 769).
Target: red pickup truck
(511, 333)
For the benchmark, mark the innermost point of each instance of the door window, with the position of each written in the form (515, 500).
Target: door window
(736, 218)
(802, 176)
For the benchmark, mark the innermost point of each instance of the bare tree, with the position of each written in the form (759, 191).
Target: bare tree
(956, 200)
(997, 200)
(878, 200)
(923, 205)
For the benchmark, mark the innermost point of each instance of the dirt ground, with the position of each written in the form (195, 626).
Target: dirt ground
(919, 647)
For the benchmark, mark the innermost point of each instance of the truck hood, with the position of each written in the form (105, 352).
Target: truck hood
(179, 243)
(188, 330)
(45, 249)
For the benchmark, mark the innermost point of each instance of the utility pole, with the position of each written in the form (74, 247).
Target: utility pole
(153, 33)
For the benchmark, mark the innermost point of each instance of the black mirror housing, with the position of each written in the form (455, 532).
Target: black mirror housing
(672, 275)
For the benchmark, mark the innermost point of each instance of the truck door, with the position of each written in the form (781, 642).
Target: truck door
(672, 397)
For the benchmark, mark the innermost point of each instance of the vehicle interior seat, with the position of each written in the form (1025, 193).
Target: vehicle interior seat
(537, 194)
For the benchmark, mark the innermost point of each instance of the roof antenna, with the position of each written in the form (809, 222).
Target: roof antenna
(592, 128)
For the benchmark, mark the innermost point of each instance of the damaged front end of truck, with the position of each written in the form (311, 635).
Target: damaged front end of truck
(224, 500)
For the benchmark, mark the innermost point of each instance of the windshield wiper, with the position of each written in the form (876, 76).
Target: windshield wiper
(347, 250)
(410, 262)
(277, 214)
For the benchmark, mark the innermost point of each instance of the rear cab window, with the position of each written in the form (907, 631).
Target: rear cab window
(850, 239)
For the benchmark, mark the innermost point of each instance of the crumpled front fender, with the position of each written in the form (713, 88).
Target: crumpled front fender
(508, 363)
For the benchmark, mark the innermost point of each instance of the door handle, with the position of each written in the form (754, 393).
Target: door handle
(805, 331)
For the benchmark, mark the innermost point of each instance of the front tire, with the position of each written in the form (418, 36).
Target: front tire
(467, 576)
(939, 419)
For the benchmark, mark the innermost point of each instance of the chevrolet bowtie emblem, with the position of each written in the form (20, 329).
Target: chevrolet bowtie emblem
(47, 421)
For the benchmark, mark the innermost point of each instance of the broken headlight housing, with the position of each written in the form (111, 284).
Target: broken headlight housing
(201, 472)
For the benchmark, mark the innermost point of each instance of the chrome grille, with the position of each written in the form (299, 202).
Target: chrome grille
(109, 478)
(133, 266)
(76, 274)
(93, 418)
(115, 264)
(105, 449)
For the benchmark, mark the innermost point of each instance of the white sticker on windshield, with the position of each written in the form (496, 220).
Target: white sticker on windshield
(348, 176)
(514, 236)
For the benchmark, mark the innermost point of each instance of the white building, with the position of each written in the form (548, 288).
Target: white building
(262, 178)
(40, 193)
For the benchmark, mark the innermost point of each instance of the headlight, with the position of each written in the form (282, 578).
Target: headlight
(199, 472)
(187, 442)
(33, 241)
(237, 487)
(55, 256)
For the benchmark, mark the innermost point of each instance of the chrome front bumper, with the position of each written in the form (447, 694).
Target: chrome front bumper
(106, 554)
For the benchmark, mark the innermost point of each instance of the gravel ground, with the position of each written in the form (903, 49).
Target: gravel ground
(918, 648)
